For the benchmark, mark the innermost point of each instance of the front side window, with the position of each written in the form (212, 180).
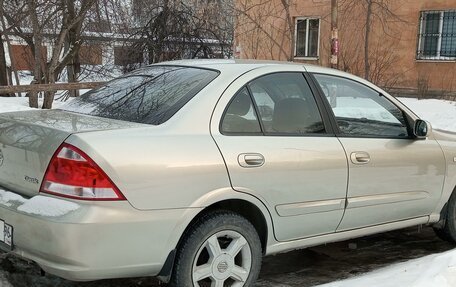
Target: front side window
(307, 37)
(286, 105)
(437, 38)
(151, 95)
(362, 111)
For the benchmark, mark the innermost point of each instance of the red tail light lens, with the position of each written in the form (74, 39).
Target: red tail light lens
(71, 173)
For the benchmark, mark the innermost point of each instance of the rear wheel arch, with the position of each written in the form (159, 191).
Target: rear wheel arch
(244, 208)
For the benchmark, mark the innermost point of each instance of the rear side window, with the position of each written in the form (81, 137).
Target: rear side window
(151, 95)
(286, 105)
(240, 116)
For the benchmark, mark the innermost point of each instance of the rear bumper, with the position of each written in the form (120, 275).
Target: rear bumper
(97, 240)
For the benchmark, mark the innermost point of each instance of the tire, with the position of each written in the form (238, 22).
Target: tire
(448, 231)
(221, 249)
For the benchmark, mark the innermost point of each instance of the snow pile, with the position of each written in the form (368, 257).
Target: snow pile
(441, 114)
(7, 197)
(438, 270)
(39, 205)
(47, 206)
(12, 104)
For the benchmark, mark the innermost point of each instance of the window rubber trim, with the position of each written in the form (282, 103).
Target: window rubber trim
(331, 117)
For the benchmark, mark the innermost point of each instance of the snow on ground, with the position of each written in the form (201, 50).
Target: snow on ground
(11, 104)
(437, 270)
(441, 114)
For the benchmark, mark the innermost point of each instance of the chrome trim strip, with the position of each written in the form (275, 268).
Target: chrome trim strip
(363, 201)
(302, 208)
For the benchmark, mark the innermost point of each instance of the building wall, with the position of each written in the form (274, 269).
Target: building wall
(439, 75)
(264, 32)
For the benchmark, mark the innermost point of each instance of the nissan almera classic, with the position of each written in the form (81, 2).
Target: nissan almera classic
(193, 170)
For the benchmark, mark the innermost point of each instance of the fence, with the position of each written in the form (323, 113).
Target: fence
(49, 87)
(429, 94)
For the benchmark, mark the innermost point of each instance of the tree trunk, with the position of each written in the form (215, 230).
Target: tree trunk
(37, 39)
(10, 50)
(290, 24)
(13, 65)
(48, 100)
(3, 68)
(367, 37)
(49, 95)
(74, 68)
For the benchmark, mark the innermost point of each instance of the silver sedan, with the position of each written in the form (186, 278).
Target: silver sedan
(193, 170)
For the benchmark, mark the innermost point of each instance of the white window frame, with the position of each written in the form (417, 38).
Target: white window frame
(420, 51)
(307, 19)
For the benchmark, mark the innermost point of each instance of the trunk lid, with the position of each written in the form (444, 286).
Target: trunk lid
(29, 139)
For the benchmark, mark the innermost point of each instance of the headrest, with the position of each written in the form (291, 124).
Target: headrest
(290, 116)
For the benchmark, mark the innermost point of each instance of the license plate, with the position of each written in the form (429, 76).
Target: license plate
(6, 235)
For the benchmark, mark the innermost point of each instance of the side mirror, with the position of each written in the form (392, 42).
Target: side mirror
(421, 129)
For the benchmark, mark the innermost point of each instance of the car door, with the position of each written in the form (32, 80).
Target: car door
(392, 175)
(278, 148)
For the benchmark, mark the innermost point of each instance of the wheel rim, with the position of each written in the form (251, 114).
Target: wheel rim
(224, 259)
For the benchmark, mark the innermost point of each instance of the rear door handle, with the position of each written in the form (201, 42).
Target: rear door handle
(360, 157)
(250, 159)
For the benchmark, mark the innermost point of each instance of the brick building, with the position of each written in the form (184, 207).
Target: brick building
(412, 43)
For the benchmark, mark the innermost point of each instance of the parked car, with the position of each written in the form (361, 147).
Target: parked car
(193, 170)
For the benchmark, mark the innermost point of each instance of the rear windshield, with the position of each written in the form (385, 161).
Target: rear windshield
(151, 95)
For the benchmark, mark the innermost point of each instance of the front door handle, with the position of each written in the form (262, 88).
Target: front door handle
(360, 157)
(250, 159)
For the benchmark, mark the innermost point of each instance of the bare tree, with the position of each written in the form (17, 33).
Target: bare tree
(5, 78)
(267, 27)
(174, 29)
(359, 18)
(3, 68)
(57, 21)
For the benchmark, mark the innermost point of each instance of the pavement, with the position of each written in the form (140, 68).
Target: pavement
(303, 268)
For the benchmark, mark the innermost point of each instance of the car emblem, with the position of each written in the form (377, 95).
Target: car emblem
(1, 157)
(222, 267)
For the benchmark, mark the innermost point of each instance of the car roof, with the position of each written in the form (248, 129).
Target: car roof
(224, 64)
(241, 66)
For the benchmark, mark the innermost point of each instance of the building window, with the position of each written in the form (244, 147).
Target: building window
(23, 58)
(437, 38)
(124, 56)
(307, 37)
(91, 55)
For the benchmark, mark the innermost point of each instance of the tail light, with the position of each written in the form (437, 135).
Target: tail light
(71, 173)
